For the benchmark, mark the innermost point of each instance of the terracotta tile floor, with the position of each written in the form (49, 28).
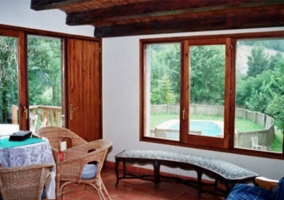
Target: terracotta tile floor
(136, 189)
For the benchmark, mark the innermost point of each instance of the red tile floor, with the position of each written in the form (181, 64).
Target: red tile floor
(136, 189)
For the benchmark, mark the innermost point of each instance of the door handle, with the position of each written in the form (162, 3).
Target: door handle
(183, 114)
(26, 111)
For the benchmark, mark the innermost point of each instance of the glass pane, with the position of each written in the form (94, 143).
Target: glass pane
(207, 80)
(45, 84)
(8, 85)
(259, 95)
(163, 90)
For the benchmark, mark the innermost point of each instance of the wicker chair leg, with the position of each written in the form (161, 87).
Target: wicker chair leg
(104, 190)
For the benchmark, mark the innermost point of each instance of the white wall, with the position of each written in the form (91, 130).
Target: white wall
(18, 13)
(121, 106)
(121, 86)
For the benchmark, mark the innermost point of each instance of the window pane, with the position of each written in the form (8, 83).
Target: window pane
(45, 84)
(162, 90)
(8, 85)
(259, 95)
(207, 79)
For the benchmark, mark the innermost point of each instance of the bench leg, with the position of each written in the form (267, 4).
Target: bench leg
(199, 181)
(116, 172)
(229, 185)
(156, 173)
(216, 185)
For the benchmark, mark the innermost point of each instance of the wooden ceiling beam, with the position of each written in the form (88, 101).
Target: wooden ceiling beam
(138, 10)
(52, 4)
(157, 8)
(139, 17)
(210, 21)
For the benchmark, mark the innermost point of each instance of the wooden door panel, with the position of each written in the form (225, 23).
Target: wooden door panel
(83, 88)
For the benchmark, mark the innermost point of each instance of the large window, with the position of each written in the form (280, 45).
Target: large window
(222, 93)
(206, 90)
(181, 96)
(259, 116)
(30, 81)
(8, 83)
(45, 81)
(163, 90)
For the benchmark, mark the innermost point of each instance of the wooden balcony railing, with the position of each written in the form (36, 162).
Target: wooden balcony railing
(46, 115)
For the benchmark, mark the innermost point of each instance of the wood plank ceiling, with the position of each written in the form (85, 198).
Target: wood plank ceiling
(113, 18)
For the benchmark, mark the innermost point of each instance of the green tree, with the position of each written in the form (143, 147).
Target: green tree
(207, 74)
(163, 92)
(8, 76)
(275, 107)
(252, 93)
(44, 73)
(165, 73)
(44, 61)
(264, 92)
(257, 62)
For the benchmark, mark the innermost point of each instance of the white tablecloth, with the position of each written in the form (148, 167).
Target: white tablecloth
(38, 153)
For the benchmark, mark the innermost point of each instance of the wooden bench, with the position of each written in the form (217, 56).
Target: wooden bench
(221, 171)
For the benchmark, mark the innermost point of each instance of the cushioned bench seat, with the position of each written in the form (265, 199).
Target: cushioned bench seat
(221, 171)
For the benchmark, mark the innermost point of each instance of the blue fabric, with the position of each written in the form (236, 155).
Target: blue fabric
(248, 192)
(278, 193)
(43, 194)
(89, 171)
(251, 192)
(5, 143)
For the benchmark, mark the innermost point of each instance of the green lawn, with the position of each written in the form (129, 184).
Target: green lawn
(241, 124)
(276, 144)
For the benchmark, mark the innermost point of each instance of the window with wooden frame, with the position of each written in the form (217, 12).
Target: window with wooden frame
(41, 84)
(220, 93)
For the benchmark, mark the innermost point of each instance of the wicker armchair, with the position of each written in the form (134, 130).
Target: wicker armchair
(72, 168)
(57, 135)
(23, 183)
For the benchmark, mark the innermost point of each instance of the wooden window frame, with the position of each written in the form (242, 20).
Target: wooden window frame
(227, 145)
(22, 34)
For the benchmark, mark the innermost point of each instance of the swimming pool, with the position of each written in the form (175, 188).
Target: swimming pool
(204, 127)
(200, 127)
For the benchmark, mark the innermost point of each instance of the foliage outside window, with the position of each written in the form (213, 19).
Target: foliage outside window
(163, 95)
(44, 79)
(233, 84)
(260, 94)
(44, 69)
(167, 115)
(8, 77)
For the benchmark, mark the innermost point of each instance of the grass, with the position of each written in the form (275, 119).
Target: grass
(276, 144)
(241, 125)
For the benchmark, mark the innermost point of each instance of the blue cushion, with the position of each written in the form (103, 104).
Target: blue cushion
(248, 192)
(89, 171)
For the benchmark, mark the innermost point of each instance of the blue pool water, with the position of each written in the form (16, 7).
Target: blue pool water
(206, 127)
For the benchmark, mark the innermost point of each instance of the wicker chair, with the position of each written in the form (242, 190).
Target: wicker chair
(23, 183)
(71, 169)
(57, 135)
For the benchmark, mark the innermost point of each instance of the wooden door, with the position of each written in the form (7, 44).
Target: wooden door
(83, 76)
